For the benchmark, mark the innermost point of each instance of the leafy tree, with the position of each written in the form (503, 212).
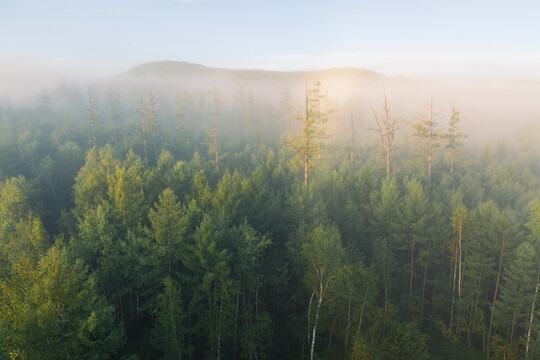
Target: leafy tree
(67, 316)
(323, 255)
(386, 231)
(169, 329)
(453, 136)
(307, 144)
(22, 235)
(167, 228)
(428, 134)
(415, 216)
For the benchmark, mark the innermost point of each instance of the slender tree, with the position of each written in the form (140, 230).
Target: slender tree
(169, 328)
(114, 116)
(351, 133)
(428, 133)
(323, 255)
(453, 137)
(167, 228)
(456, 254)
(140, 108)
(387, 128)
(152, 108)
(307, 143)
(92, 113)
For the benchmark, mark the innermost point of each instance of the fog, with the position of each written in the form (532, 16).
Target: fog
(491, 110)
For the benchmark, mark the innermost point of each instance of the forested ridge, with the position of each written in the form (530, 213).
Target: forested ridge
(145, 227)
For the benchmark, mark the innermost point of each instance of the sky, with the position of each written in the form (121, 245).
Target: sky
(436, 39)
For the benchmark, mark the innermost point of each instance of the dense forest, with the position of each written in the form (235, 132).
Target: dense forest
(203, 224)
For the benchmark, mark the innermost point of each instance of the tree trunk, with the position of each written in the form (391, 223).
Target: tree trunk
(531, 318)
(306, 140)
(430, 142)
(425, 276)
(411, 277)
(453, 295)
(348, 323)
(362, 313)
(387, 145)
(309, 321)
(451, 160)
(169, 245)
(495, 296)
(217, 153)
(460, 274)
(314, 333)
(174, 327)
(140, 109)
(352, 136)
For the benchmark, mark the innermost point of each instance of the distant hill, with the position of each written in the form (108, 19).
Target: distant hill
(180, 68)
(177, 75)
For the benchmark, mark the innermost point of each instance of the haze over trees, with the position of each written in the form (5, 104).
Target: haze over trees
(141, 220)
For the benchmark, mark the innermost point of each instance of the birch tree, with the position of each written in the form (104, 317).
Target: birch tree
(323, 255)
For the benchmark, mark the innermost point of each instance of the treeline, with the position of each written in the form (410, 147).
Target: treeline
(124, 237)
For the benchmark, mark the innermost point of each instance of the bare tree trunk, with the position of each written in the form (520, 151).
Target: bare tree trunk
(362, 313)
(425, 276)
(169, 245)
(309, 321)
(352, 136)
(453, 296)
(430, 139)
(306, 141)
(153, 111)
(348, 322)
(236, 319)
(460, 277)
(387, 138)
(173, 322)
(114, 117)
(314, 334)
(319, 124)
(140, 110)
(217, 153)
(92, 114)
(451, 160)
(411, 276)
(332, 331)
(495, 295)
(531, 318)
(387, 127)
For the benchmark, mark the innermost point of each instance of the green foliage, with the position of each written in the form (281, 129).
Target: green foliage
(169, 331)
(177, 259)
(66, 317)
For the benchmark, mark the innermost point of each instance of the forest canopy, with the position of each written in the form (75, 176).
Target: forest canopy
(141, 222)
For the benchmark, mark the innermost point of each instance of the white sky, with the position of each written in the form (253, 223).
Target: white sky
(425, 39)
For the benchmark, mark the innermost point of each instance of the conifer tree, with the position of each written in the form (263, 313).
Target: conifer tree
(453, 136)
(428, 134)
(308, 143)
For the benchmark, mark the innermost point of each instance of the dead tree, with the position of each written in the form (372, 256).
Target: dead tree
(114, 116)
(387, 128)
(92, 111)
(351, 139)
(140, 109)
(152, 110)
